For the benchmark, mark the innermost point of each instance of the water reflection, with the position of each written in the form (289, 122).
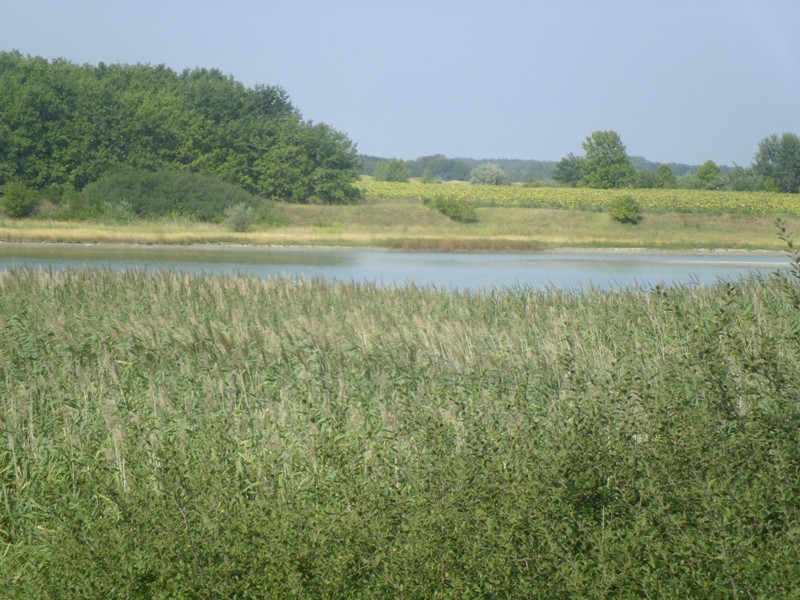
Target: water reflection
(550, 269)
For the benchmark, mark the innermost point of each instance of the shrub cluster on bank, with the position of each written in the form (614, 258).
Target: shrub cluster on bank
(156, 194)
(460, 211)
(169, 436)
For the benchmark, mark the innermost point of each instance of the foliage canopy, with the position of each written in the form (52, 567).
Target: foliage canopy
(710, 176)
(778, 159)
(569, 170)
(19, 201)
(606, 163)
(625, 209)
(65, 125)
(488, 174)
(393, 169)
(150, 194)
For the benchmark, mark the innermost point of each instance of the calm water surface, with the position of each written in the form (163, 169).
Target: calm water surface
(541, 270)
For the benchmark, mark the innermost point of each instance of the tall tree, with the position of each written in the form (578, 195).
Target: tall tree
(393, 169)
(710, 176)
(569, 170)
(778, 159)
(606, 163)
(665, 177)
(63, 126)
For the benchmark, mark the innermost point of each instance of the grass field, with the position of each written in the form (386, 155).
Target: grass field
(405, 222)
(166, 436)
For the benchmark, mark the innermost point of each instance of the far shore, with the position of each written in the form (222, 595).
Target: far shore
(406, 225)
(239, 247)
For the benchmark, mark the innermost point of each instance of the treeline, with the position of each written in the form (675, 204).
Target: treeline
(606, 164)
(530, 172)
(63, 126)
(441, 168)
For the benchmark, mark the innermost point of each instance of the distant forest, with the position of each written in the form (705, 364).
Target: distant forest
(64, 126)
(517, 170)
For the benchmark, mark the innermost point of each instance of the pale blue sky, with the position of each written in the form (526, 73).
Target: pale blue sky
(680, 80)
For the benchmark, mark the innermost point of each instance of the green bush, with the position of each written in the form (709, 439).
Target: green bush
(625, 210)
(488, 174)
(239, 217)
(151, 194)
(461, 211)
(18, 200)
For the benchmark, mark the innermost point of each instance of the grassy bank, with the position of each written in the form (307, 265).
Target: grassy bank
(165, 436)
(409, 224)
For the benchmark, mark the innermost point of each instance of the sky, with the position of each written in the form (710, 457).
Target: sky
(681, 81)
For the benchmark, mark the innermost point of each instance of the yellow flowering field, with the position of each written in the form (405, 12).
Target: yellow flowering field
(653, 200)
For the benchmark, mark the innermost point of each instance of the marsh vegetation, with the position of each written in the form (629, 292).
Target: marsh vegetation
(169, 436)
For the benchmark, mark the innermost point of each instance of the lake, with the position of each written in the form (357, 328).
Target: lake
(565, 269)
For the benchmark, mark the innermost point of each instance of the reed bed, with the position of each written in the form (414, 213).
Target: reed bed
(171, 436)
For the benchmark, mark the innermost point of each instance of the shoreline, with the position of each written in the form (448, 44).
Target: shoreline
(239, 247)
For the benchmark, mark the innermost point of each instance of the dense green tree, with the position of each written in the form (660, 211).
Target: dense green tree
(665, 177)
(606, 163)
(625, 209)
(778, 159)
(488, 174)
(710, 176)
(644, 178)
(744, 180)
(569, 170)
(145, 193)
(63, 126)
(393, 169)
(18, 200)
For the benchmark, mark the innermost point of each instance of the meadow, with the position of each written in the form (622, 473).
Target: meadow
(509, 218)
(169, 436)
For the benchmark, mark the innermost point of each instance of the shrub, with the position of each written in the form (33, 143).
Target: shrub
(461, 211)
(19, 200)
(239, 217)
(625, 210)
(119, 213)
(161, 193)
(488, 174)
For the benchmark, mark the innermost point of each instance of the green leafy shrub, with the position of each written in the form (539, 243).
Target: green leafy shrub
(625, 209)
(119, 213)
(151, 194)
(488, 174)
(18, 200)
(239, 217)
(461, 211)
